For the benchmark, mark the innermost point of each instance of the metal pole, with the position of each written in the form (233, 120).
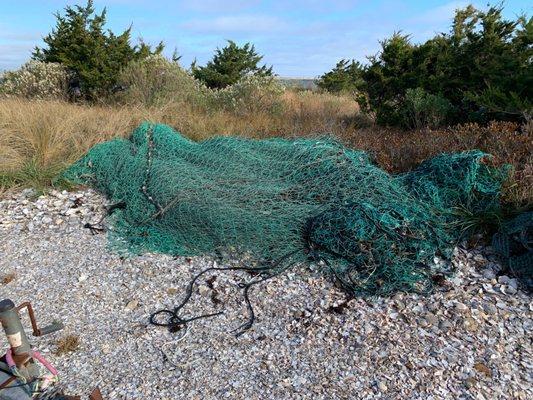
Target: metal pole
(13, 328)
(20, 346)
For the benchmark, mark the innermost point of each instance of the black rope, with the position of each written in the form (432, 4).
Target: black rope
(94, 228)
(175, 322)
(98, 226)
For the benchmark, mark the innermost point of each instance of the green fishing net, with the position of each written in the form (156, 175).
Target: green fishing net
(287, 201)
(514, 244)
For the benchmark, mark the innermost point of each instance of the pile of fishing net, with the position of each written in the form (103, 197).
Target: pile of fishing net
(285, 202)
(514, 244)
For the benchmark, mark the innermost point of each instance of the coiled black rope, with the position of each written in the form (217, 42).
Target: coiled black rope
(175, 322)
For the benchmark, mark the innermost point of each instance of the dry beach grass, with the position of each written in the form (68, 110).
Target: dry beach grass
(38, 139)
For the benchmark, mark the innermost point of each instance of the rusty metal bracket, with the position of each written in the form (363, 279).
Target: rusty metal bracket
(54, 327)
(7, 382)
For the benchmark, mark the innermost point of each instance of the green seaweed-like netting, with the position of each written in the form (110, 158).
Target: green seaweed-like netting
(288, 201)
(514, 244)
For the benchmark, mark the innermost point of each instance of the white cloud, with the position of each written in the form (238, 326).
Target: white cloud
(237, 23)
(315, 6)
(20, 36)
(206, 6)
(13, 55)
(16, 46)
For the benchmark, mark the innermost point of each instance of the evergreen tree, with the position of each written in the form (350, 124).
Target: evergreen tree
(229, 65)
(480, 70)
(80, 42)
(345, 77)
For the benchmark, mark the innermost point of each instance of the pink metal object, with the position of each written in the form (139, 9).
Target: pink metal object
(34, 354)
(44, 362)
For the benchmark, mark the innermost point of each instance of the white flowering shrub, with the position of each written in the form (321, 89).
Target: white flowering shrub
(250, 94)
(154, 80)
(36, 80)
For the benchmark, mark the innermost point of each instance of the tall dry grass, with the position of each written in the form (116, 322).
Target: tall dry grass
(38, 139)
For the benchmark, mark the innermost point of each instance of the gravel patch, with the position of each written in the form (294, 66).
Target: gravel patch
(470, 339)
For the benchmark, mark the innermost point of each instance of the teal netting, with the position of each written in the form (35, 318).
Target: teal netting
(288, 201)
(514, 244)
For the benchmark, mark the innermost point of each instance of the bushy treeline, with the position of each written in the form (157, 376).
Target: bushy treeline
(156, 81)
(229, 65)
(83, 60)
(480, 70)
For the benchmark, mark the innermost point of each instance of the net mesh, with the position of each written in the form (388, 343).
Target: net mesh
(287, 201)
(514, 244)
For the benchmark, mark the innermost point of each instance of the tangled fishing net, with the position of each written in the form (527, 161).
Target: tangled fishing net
(286, 202)
(514, 244)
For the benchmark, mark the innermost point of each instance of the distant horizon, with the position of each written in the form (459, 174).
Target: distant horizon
(301, 40)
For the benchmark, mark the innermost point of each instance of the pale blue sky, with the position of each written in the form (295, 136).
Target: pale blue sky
(300, 38)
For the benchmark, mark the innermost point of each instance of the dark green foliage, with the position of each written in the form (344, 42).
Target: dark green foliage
(482, 68)
(346, 77)
(80, 42)
(513, 244)
(229, 65)
(423, 109)
(289, 201)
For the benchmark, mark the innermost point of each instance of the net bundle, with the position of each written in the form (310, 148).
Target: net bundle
(285, 202)
(514, 244)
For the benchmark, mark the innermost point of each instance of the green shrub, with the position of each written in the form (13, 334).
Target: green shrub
(482, 67)
(422, 109)
(496, 101)
(155, 80)
(82, 44)
(230, 65)
(346, 77)
(36, 80)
